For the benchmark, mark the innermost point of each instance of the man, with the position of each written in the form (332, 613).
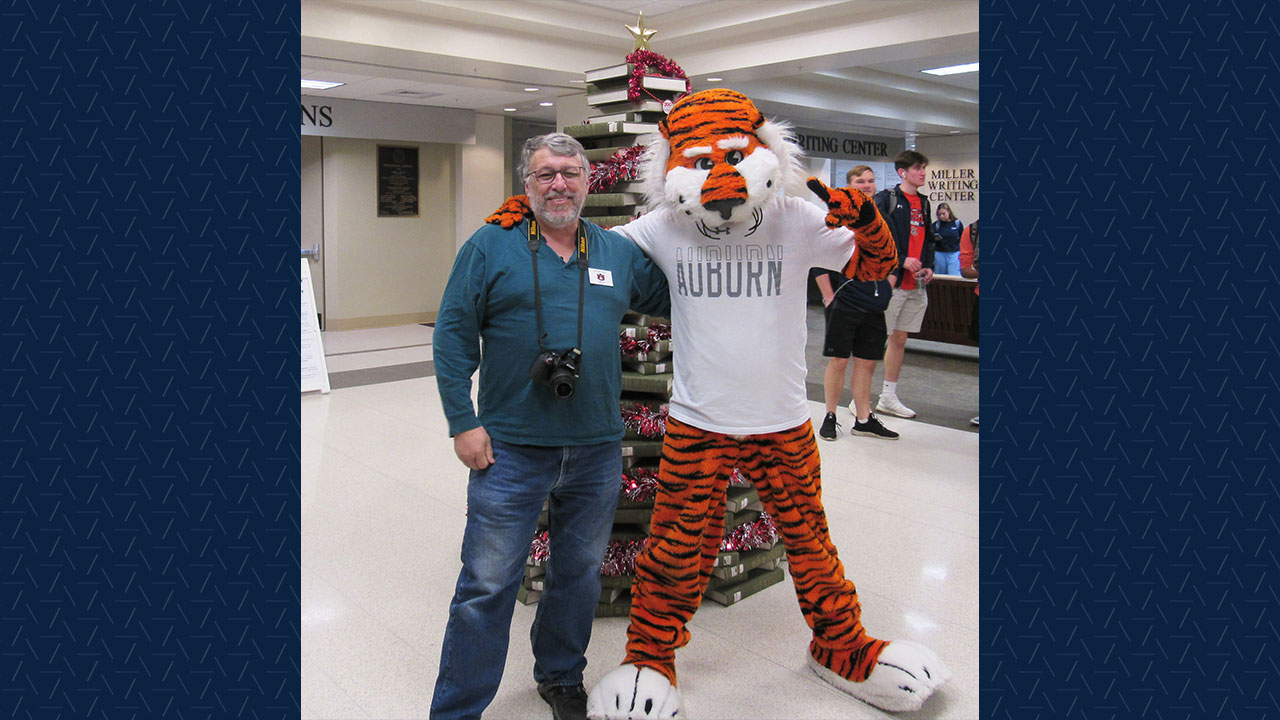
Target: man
(855, 327)
(551, 433)
(906, 210)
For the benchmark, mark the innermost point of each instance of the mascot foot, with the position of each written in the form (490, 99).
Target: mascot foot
(631, 693)
(906, 674)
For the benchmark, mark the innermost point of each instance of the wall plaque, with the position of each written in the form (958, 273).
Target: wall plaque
(397, 181)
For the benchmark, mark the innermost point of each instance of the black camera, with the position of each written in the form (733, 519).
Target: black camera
(558, 371)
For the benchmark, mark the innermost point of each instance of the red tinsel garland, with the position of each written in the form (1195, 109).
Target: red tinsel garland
(639, 484)
(620, 167)
(659, 331)
(619, 556)
(540, 548)
(631, 346)
(738, 479)
(761, 533)
(642, 61)
(648, 422)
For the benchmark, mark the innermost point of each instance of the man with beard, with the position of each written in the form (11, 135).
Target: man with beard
(536, 309)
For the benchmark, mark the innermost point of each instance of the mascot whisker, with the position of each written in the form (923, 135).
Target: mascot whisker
(737, 251)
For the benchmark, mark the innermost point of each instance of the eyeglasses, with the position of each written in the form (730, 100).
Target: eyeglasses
(546, 177)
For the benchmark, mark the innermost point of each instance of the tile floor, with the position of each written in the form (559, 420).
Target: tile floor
(383, 502)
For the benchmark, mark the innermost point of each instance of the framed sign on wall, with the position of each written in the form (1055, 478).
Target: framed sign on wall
(397, 181)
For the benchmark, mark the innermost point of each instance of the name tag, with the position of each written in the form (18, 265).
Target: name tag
(600, 277)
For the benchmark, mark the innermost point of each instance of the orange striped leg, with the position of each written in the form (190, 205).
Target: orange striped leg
(685, 533)
(788, 476)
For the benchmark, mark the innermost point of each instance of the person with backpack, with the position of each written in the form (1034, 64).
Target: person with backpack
(855, 328)
(906, 210)
(947, 229)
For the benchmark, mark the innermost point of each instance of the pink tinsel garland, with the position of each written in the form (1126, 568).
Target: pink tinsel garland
(644, 60)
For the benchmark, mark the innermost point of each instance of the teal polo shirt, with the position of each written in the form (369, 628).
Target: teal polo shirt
(487, 322)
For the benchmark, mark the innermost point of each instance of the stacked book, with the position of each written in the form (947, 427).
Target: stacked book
(616, 125)
(751, 554)
(746, 570)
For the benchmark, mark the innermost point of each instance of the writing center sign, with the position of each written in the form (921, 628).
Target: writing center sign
(841, 146)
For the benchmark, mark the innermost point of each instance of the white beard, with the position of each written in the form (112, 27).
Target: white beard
(556, 219)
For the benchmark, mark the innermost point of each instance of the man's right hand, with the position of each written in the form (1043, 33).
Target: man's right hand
(511, 212)
(473, 448)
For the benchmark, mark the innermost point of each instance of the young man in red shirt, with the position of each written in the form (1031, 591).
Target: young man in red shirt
(907, 212)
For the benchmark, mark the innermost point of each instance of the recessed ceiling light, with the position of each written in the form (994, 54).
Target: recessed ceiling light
(508, 109)
(714, 79)
(577, 81)
(955, 132)
(546, 104)
(953, 69)
(532, 89)
(320, 84)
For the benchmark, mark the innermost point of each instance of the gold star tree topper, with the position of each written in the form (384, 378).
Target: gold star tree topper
(641, 33)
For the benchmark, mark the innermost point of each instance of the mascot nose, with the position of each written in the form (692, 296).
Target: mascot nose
(723, 190)
(724, 207)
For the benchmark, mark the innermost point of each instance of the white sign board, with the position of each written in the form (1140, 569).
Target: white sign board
(315, 375)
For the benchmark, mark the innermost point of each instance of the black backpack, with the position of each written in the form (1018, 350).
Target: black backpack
(893, 204)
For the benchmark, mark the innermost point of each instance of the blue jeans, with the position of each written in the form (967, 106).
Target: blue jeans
(946, 263)
(503, 503)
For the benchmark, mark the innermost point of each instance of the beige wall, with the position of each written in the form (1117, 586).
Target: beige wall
(481, 178)
(958, 154)
(385, 271)
(312, 200)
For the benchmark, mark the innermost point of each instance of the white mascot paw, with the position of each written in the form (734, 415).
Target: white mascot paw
(906, 674)
(632, 693)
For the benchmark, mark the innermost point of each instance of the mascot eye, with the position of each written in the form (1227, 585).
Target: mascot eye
(733, 157)
(703, 163)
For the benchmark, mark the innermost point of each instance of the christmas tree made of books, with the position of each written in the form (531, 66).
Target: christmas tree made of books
(627, 101)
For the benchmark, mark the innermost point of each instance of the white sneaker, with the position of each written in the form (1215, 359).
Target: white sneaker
(974, 421)
(891, 405)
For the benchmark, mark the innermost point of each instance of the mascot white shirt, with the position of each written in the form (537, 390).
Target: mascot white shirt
(745, 275)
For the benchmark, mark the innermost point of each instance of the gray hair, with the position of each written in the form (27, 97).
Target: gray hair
(558, 143)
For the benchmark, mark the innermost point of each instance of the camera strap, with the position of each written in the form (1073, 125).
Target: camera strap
(534, 243)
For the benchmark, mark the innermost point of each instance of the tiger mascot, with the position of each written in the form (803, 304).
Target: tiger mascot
(737, 252)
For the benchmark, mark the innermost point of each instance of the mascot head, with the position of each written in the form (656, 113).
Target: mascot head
(718, 160)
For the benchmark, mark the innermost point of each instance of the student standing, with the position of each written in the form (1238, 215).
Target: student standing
(906, 211)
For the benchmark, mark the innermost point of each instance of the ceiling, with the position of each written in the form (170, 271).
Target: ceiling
(845, 65)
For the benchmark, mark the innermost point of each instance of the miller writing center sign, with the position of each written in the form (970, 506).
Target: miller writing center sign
(952, 184)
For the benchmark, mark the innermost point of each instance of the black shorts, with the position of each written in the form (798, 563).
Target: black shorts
(854, 333)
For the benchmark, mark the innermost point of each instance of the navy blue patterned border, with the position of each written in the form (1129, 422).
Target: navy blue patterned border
(150, 220)
(1128, 556)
